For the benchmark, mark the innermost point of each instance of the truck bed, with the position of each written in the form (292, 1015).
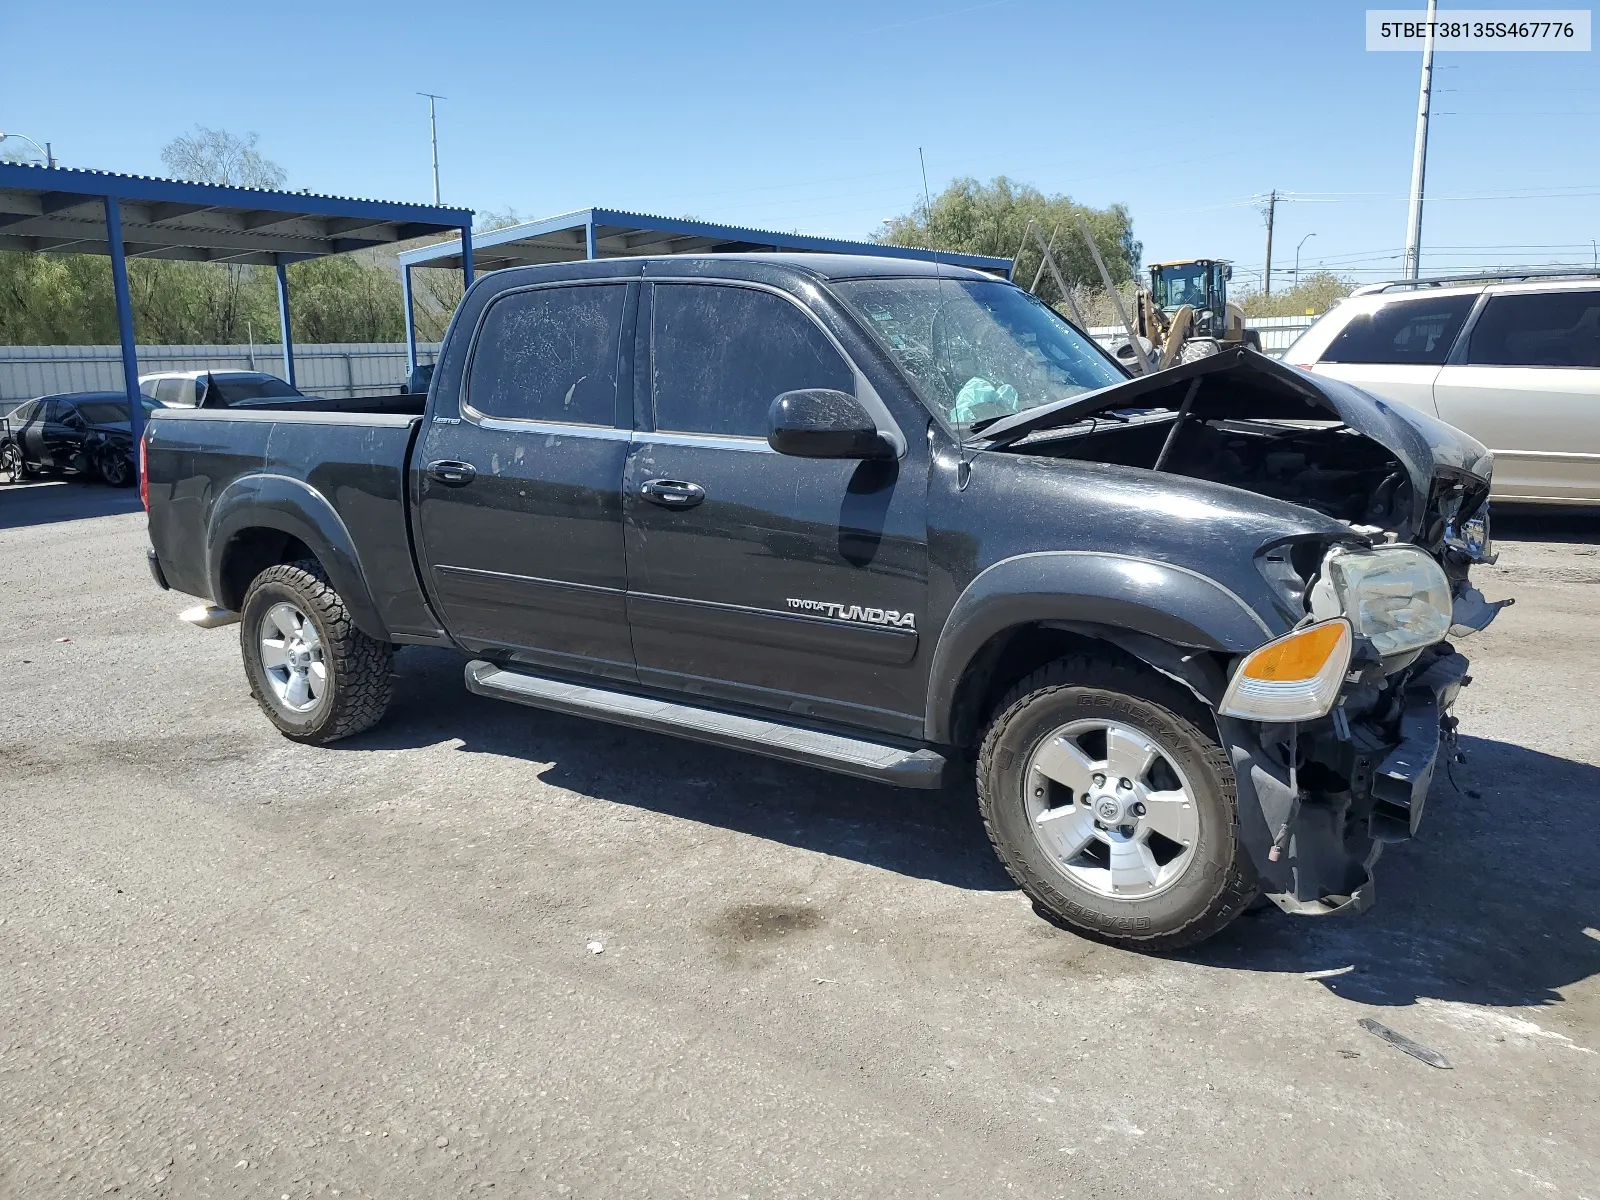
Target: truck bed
(400, 403)
(215, 474)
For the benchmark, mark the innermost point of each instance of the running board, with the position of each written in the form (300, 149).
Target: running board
(830, 751)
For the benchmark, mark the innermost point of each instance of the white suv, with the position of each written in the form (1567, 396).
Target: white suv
(1516, 364)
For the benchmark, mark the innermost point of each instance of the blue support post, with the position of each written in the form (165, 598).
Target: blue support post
(130, 355)
(411, 321)
(466, 254)
(591, 247)
(283, 324)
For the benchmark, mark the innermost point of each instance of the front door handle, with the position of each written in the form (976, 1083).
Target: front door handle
(452, 473)
(672, 493)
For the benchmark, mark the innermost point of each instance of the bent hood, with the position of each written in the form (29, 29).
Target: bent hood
(1240, 384)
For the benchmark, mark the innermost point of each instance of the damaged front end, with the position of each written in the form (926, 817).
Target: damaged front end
(1327, 777)
(1335, 728)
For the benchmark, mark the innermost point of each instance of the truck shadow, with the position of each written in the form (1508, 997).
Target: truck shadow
(1497, 902)
(48, 501)
(929, 835)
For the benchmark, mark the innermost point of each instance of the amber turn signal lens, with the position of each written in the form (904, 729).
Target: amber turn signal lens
(1295, 678)
(1298, 656)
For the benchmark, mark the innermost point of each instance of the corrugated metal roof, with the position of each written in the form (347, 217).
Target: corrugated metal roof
(60, 210)
(622, 233)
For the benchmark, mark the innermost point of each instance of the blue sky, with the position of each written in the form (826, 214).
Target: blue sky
(809, 116)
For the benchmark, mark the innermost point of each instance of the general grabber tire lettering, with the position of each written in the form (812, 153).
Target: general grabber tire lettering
(1086, 719)
(316, 676)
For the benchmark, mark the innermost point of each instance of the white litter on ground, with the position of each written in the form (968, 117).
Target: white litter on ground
(1468, 1016)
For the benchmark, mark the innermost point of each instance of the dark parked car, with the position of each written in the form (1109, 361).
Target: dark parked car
(86, 433)
(891, 519)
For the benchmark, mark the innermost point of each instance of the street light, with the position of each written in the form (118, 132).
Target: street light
(49, 158)
(1302, 242)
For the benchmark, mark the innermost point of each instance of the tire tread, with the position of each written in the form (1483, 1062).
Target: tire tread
(362, 665)
(1087, 670)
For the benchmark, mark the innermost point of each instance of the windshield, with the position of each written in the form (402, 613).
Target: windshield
(977, 350)
(1177, 286)
(230, 389)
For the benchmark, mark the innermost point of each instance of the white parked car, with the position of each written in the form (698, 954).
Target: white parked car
(1513, 362)
(214, 389)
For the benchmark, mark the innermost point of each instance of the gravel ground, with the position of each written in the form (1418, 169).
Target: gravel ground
(236, 966)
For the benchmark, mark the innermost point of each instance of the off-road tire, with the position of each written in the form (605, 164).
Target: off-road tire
(1219, 883)
(1195, 349)
(359, 667)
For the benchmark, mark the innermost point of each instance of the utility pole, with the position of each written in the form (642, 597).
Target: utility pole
(1272, 211)
(433, 129)
(1419, 152)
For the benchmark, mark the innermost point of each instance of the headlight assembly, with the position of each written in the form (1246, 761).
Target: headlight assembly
(1397, 597)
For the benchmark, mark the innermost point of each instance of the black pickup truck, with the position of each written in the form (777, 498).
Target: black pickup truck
(892, 519)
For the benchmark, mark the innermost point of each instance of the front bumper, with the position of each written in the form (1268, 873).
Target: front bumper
(1362, 782)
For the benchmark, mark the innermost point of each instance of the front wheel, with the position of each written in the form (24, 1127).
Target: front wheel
(114, 468)
(316, 676)
(1111, 810)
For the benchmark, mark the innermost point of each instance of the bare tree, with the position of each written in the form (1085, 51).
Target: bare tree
(217, 156)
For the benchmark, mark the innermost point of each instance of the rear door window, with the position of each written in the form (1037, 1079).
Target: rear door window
(550, 354)
(1417, 331)
(1555, 329)
(721, 355)
(176, 392)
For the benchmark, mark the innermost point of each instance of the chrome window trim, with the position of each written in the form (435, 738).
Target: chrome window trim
(705, 441)
(545, 428)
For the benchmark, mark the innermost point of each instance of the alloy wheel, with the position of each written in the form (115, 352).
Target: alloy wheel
(1112, 809)
(292, 659)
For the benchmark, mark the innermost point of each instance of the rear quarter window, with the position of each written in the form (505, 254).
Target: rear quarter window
(1408, 331)
(1552, 329)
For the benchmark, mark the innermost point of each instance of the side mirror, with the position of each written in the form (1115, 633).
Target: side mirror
(1227, 272)
(822, 423)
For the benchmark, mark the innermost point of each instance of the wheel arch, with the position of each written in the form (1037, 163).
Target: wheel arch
(260, 521)
(1026, 611)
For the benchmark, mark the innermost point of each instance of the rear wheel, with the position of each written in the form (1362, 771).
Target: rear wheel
(1111, 809)
(316, 676)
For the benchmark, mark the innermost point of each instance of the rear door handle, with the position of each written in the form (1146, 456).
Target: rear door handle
(452, 473)
(672, 493)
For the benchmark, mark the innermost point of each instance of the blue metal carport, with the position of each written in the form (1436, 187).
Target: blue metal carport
(53, 210)
(611, 233)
